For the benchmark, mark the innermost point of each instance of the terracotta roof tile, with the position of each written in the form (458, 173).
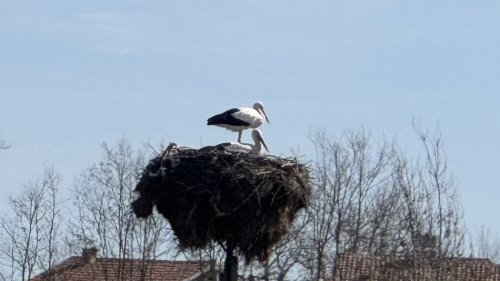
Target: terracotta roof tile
(352, 267)
(105, 269)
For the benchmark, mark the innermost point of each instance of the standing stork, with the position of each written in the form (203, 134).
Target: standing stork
(239, 119)
(247, 147)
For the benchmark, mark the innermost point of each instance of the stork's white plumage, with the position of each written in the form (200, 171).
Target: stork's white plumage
(239, 119)
(247, 147)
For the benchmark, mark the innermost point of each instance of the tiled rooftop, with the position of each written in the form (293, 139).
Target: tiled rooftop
(79, 269)
(389, 268)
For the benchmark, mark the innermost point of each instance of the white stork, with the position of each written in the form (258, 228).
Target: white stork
(247, 147)
(239, 119)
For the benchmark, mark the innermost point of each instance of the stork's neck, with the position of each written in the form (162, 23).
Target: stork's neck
(257, 147)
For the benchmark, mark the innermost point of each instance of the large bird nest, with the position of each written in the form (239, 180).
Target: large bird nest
(244, 199)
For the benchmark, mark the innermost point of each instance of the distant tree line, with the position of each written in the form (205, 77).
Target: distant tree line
(370, 199)
(38, 235)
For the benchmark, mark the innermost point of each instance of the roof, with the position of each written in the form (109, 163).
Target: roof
(76, 268)
(351, 267)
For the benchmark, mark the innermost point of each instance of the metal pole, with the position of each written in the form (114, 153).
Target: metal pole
(231, 264)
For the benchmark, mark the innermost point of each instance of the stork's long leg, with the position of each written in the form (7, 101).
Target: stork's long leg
(239, 136)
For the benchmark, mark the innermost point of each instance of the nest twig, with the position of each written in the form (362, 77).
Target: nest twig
(210, 194)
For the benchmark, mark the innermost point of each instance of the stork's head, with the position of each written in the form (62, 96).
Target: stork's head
(257, 138)
(260, 109)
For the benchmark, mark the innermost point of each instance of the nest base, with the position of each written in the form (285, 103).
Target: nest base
(210, 194)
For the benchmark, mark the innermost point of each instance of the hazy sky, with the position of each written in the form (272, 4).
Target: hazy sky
(74, 74)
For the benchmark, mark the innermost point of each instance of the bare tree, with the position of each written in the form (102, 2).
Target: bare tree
(431, 220)
(448, 212)
(151, 239)
(324, 213)
(213, 252)
(379, 202)
(365, 200)
(349, 181)
(485, 244)
(30, 237)
(285, 263)
(103, 195)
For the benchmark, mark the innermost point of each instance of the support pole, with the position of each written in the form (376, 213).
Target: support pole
(231, 264)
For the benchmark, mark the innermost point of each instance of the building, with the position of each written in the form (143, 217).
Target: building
(352, 267)
(89, 267)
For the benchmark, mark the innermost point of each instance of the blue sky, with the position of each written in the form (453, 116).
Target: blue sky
(74, 74)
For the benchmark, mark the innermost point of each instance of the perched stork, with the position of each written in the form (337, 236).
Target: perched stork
(247, 147)
(239, 119)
